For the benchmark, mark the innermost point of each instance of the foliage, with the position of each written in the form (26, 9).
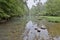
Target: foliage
(11, 8)
(37, 10)
(50, 8)
(53, 8)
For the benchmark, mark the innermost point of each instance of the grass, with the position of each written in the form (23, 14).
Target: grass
(50, 18)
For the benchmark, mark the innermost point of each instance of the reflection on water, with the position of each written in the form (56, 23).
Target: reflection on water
(38, 34)
(30, 32)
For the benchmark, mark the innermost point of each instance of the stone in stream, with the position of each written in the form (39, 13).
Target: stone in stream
(43, 27)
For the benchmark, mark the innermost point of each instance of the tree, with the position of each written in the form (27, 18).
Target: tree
(53, 8)
(38, 9)
(11, 8)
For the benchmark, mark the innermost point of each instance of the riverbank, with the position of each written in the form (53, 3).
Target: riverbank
(50, 18)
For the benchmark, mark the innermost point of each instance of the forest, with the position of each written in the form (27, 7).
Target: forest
(50, 10)
(12, 8)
